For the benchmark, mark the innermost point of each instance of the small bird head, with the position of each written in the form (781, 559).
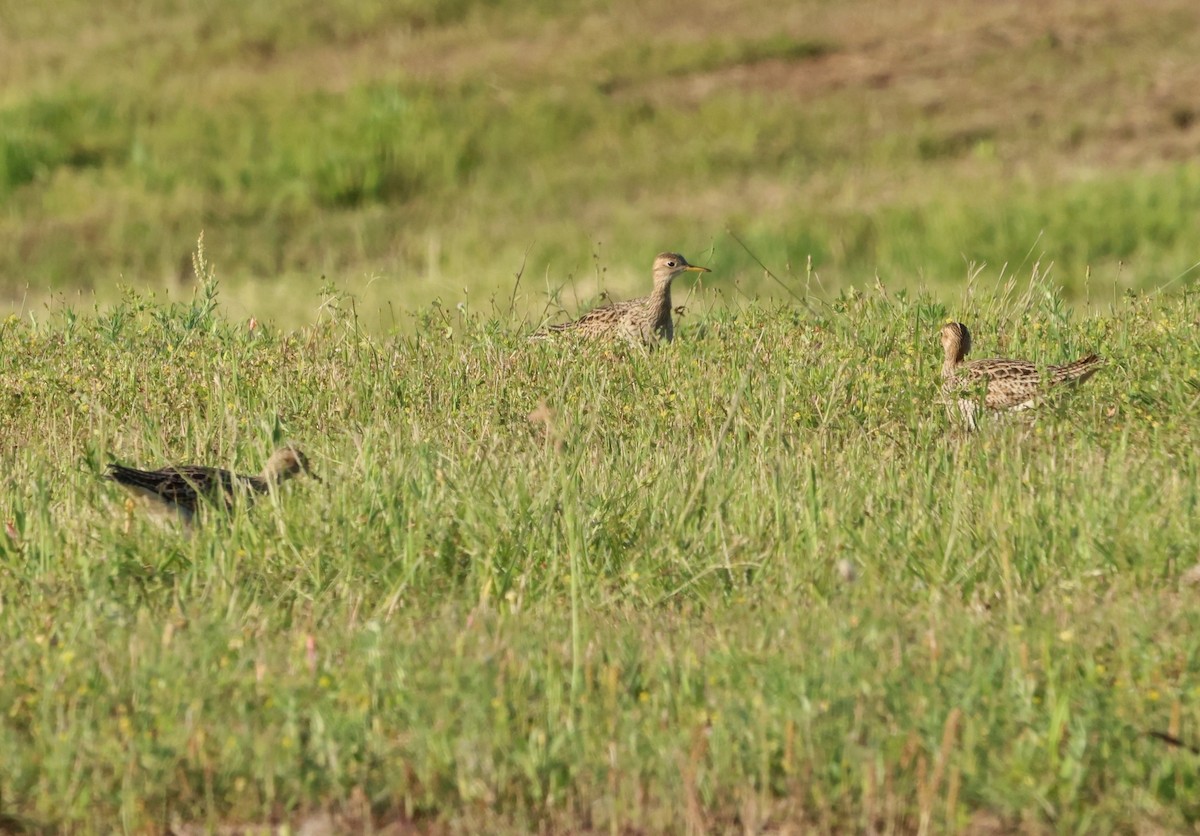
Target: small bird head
(669, 265)
(956, 341)
(285, 463)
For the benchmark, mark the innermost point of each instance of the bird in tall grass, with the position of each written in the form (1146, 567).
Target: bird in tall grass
(180, 490)
(644, 321)
(1006, 385)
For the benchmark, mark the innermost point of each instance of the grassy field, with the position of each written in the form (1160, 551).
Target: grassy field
(430, 149)
(751, 581)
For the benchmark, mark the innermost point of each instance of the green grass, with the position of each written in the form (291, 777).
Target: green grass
(427, 150)
(627, 611)
(753, 581)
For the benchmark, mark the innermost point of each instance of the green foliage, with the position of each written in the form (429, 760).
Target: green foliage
(751, 581)
(424, 141)
(753, 576)
(391, 153)
(71, 132)
(1114, 221)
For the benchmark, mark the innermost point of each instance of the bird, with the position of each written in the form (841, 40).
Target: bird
(1007, 385)
(179, 490)
(645, 321)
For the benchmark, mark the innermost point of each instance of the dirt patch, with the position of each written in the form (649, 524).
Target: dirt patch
(1106, 82)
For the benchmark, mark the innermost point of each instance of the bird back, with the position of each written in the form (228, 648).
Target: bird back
(182, 486)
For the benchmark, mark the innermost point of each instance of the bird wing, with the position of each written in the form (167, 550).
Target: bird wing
(1014, 383)
(997, 369)
(599, 316)
(182, 485)
(1003, 384)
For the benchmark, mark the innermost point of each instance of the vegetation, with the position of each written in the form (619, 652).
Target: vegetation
(429, 149)
(752, 580)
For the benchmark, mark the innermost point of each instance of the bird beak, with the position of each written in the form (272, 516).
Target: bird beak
(692, 268)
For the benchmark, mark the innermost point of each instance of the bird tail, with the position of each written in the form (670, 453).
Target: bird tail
(1080, 370)
(131, 476)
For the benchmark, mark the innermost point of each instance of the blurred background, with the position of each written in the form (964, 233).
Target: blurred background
(424, 150)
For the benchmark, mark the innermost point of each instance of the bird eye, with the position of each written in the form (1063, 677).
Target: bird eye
(670, 263)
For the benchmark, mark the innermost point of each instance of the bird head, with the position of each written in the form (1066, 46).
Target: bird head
(287, 462)
(669, 265)
(956, 341)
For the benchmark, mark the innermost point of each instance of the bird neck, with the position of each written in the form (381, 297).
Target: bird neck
(273, 473)
(278, 468)
(258, 484)
(949, 365)
(660, 298)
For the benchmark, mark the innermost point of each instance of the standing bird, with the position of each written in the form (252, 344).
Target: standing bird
(643, 321)
(178, 491)
(1008, 385)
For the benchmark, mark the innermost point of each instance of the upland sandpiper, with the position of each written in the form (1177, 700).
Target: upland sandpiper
(1005, 385)
(179, 490)
(645, 320)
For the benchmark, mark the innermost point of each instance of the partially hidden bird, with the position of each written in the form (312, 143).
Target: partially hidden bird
(1005, 385)
(181, 490)
(645, 320)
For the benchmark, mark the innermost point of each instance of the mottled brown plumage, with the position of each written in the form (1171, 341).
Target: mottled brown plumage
(1006, 385)
(645, 320)
(179, 490)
